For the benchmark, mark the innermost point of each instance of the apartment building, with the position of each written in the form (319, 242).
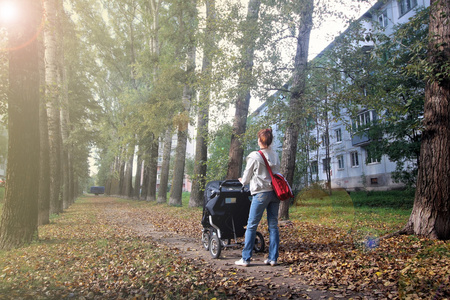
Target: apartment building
(351, 164)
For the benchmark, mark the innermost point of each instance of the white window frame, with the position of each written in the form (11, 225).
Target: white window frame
(314, 167)
(364, 118)
(404, 6)
(383, 19)
(354, 159)
(340, 159)
(338, 133)
(325, 140)
(370, 159)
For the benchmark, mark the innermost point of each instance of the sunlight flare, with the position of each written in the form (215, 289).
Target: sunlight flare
(9, 11)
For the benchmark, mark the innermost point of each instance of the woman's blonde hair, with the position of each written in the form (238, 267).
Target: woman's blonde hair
(265, 136)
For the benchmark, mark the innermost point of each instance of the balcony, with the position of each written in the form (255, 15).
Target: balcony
(360, 138)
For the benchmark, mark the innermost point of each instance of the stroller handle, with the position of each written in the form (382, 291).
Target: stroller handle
(234, 181)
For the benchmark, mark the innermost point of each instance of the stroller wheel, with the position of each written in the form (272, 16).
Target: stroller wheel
(215, 246)
(205, 239)
(259, 242)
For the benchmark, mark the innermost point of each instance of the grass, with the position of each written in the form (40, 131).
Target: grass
(377, 212)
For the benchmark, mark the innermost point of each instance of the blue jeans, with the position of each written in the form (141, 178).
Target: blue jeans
(260, 202)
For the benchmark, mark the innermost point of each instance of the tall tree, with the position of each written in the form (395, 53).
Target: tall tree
(430, 216)
(188, 27)
(296, 98)
(64, 108)
(165, 167)
(18, 224)
(138, 177)
(128, 192)
(44, 161)
(201, 145)
(245, 82)
(153, 169)
(53, 103)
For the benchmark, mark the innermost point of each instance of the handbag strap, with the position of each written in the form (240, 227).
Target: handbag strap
(267, 164)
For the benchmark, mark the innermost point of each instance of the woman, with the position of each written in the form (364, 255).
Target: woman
(264, 197)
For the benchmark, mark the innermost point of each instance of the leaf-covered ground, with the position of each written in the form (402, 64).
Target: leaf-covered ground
(88, 253)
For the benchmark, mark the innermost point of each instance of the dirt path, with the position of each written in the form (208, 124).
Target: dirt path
(275, 282)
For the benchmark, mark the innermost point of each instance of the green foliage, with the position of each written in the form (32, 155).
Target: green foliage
(2, 194)
(218, 151)
(138, 71)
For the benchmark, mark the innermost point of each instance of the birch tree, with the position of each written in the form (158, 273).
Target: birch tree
(53, 103)
(201, 148)
(296, 99)
(245, 83)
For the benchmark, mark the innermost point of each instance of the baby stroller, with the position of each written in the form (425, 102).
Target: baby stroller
(225, 213)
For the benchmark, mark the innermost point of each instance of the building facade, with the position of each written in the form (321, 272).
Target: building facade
(349, 160)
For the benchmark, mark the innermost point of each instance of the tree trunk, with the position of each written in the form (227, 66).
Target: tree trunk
(137, 179)
(144, 188)
(176, 191)
(114, 177)
(327, 146)
(53, 105)
(296, 100)
(430, 216)
(243, 99)
(44, 159)
(64, 116)
(153, 170)
(18, 224)
(165, 168)
(201, 147)
(122, 163)
(129, 176)
(71, 180)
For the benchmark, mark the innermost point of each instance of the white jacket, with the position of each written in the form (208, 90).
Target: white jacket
(256, 172)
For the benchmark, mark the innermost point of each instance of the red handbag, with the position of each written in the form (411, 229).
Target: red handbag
(280, 185)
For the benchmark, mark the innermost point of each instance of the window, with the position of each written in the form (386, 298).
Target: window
(338, 133)
(314, 144)
(340, 159)
(354, 159)
(364, 118)
(325, 140)
(382, 19)
(314, 167)
(406, 5)
(372, 158)
(326, 164)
